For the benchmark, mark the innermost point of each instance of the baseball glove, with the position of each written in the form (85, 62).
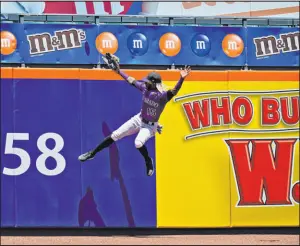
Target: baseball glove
(112, 61)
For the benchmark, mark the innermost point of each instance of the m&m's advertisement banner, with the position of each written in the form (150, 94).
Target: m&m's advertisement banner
(155, 45)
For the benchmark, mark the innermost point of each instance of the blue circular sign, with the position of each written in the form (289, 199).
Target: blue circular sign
(200, 45)
(137, 44)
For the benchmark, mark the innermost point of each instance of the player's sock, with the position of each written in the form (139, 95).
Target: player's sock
(143, 150)
(149, 162)
(104, 144)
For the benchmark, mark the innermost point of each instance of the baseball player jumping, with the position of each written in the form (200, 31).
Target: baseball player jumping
(145, 123)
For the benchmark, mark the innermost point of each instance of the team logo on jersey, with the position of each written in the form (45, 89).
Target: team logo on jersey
(170, 44)
(137, 44)
(40, 43)
(8, 43)
(270, 45)
(106, 42)
(200, 45)
(233, 45)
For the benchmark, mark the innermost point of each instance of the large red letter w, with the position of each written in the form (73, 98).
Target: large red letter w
(262, 170)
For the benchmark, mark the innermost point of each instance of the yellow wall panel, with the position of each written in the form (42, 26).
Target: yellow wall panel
(267, 214)
(192, 175)
(199, 177)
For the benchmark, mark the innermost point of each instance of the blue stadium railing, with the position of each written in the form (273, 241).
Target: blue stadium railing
(151, 20)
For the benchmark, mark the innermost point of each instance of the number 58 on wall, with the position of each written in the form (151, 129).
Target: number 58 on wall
(41, 160)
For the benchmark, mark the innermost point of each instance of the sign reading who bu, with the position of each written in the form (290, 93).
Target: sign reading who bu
(61, 40)
(263, 168)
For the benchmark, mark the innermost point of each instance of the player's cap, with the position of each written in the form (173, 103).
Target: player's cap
(154, 77)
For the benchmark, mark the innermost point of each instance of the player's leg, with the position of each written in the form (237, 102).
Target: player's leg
(128, 128)
(144, 135)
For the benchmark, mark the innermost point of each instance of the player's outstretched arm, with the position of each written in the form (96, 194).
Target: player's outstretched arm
(113, 62)
(183, 74)
(138, 84)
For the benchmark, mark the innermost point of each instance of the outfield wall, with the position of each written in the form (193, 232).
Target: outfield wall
(228, 155)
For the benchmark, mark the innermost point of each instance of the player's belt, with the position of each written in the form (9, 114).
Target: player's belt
(148, 122)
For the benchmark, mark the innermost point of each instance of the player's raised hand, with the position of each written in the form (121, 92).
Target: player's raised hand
(184, 73)
(112, 61)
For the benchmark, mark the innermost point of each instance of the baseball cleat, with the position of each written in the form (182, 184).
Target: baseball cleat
(150, 167)
(86, 156)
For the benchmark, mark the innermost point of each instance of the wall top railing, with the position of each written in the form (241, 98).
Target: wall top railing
(150, 20)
